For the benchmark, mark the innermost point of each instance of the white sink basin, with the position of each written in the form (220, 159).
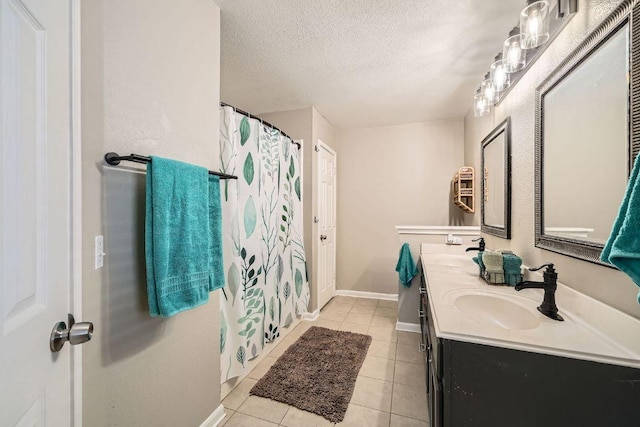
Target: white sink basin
(494, 309)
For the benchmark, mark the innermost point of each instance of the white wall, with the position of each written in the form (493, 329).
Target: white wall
(150, 85)
(602, 283)
(388, 176)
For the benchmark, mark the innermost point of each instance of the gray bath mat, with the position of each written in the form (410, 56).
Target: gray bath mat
(317, 373)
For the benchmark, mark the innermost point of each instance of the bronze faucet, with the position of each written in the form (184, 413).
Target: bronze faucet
(548, 306)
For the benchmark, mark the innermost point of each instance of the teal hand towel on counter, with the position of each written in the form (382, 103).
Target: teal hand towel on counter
(405, 267)
(623, 246)
(177, 236)
(511, 265)
(478, 260)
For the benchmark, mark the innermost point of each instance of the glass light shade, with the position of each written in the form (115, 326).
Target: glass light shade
(480, 105)
(500, 75)
(534, 24)
(488, 90)
(514, 54)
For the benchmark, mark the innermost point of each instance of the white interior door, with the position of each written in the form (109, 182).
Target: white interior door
(36, 184)
(326, 205)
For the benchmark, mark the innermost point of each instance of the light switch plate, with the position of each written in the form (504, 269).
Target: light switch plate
(98, 250)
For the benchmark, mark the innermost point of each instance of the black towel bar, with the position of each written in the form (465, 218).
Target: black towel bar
(114, 159)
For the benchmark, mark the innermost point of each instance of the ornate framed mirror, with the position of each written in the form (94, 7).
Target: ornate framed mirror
(495, 178)
(586, 111)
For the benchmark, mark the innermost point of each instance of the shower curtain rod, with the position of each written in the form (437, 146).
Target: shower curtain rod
(264, 122)
(114, 159)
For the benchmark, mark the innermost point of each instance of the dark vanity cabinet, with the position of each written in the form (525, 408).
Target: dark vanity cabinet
(431, 345)
(479, 385)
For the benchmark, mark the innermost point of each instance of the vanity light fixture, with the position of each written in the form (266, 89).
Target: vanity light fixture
(500, 75)
(514, 53)
(534, 24)
(480, 105)
(539, 23)
(488, 89)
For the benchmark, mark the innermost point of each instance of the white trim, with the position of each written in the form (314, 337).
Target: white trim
(439, 230)
(315, 183)
(362, 294)
(569, 231)
(75, 303)
(215, 418)
(311, 316)
(326, 147)
(408, 327)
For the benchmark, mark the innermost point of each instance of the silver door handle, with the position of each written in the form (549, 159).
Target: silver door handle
(323, 237)
(77, 333)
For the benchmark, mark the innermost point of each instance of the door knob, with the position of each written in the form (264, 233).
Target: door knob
(77, 333)
(323, 237)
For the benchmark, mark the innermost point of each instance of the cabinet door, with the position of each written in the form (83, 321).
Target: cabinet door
(424, 329)
(435, 400)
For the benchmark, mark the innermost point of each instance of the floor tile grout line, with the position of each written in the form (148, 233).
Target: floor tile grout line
(393, 386)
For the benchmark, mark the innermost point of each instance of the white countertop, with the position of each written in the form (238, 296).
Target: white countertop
(591, 330)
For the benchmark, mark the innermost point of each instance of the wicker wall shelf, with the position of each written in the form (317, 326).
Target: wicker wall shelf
(462, 188)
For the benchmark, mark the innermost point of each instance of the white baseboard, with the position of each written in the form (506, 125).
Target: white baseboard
(362, 294)
(473, 230)
(311, 316)
(408, 327)
(215, 418)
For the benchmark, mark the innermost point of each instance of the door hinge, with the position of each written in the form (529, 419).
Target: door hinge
(315, 147)
(316, 219)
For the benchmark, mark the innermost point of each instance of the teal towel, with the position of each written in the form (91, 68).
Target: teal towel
(405, 267)
(623, 246)
(480, 263)
(478, 260)
(512, 264)
(216, 278)
(177, 236)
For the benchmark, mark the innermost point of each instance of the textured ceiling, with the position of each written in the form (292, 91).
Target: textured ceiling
(361, 63)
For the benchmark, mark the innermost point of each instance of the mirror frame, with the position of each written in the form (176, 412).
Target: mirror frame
(625, 13)
(504, 232)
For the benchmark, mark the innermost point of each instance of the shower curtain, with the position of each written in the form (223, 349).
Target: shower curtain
(264, 254)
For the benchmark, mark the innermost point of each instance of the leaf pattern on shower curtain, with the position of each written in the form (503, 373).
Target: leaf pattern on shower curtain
(249, 216)
(269, 145)
(229, 138)
(223, 332)
(263, 251)
(248, 169)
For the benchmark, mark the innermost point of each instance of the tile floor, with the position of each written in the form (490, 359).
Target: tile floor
(390, 388)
